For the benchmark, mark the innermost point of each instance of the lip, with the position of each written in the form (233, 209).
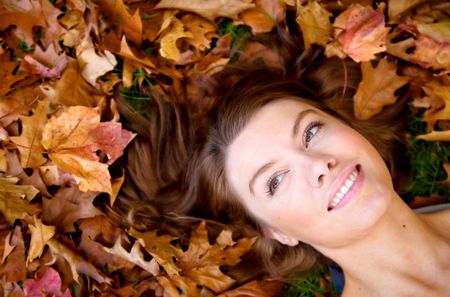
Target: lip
(357, 184)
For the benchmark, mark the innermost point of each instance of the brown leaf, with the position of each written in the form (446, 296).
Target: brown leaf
(360, 33)
(49, 63)
(160, 248)
(12, 204)
(135, 256)
(7, 78)
(264, 16)
(314, 20)
(76, 262)
(376, 89)
(17, 102)
(28, 143)
(397, 7)
(13, 269)
(170, 35)
(441, 91)
(202, 31)
(95, 232)
(436, 136)
(122, 20)
(68, 206)
(257, 288)
(40, 234)
(211, 9)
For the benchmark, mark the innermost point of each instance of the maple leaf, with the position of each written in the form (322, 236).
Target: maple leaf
(67, 206)
(49, 283)
(264, 16)
(12, 204)
(73, 138)
(314, 20)
(40, 234)
(122, 20)
(7, 76)
(376, 88)
(76, 262)
(28, 143)
(210, 9)
(94, 65)
(360, 33)
(48, 63)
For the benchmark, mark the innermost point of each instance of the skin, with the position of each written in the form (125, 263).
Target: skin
(291, 198)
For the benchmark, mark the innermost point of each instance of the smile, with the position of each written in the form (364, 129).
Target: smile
(346, 189)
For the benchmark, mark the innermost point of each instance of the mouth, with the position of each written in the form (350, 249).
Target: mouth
(346, 187)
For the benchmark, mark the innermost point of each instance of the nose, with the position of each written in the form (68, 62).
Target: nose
(319, 167)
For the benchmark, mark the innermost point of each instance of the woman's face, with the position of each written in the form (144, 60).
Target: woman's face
(307, 176)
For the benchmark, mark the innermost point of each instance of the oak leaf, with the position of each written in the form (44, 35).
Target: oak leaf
(68, 206)
(169, 37)
(76, 262)
(441, 91)
(436, 136)
(40, 234)
(314, 20)
(360, 33)
(7, 75)
(13, 269)
(122, 20)
(49, 284)
(135, 256)
(202, 31)
(210, 9)
(257, 288)
(12, 202)
(28, 143)
(376, 88)
(94, 65)
(48, 63)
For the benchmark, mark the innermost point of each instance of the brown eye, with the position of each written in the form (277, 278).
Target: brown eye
(274, 182)
(310, 132)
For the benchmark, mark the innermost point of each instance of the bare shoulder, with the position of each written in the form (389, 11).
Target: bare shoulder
(439, 220)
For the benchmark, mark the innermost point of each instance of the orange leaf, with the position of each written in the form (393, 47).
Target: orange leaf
(314, 20)
(11, 203)
(7, 78)
(40, 234)
(376, 89)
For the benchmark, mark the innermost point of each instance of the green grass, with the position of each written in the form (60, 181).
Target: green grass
(427, 158)
(137, 101)
(308, 285)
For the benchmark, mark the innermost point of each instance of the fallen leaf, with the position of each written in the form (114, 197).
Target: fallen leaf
(202, 31)
(437, 89)
(397, 7)
(7, 75)
(314, 21)
(436, 136)
(122, 20)
(360, 33)
(257, 288)
(48, 63)
(210, 9)
(40, 234)
(135, 256)
(12, 204)
(49, 284)
(264, 16)
(169, 37)
(76, 262)
(376, 88)
(94, 65)
(439, 31)
(28, 143)
(68, 206)
(116, 185)
(13, 269)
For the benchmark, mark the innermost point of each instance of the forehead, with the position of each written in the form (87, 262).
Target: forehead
(268, 129)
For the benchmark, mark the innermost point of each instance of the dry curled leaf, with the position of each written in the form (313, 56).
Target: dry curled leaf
(14, 200)
(377, 88)
(48, 283)
(314, 20)
(40, 235)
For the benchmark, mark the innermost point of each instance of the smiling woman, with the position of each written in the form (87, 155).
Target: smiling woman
(285, 163)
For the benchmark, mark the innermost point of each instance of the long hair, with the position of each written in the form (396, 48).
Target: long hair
(176, 172)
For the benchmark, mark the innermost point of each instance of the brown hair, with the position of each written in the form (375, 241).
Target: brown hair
(174, 169)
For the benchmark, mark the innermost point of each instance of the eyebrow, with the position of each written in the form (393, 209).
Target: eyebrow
(301, 115)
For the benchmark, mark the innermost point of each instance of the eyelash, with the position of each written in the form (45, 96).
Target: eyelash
(270, 187)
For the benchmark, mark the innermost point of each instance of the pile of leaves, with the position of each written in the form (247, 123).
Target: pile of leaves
(61, 132)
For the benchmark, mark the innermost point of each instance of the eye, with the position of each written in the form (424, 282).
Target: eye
(274, 182)
(311, 130)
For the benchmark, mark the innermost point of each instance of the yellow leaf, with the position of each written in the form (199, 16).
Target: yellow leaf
(376, 88)
(264, 16)
(314, 20)
(40, 234)
(170, 36)
(29, 141)
(116, 184)
(438, 90)
(436, 136)
(201, 29)
(397, 7)
(209, 9)
(12, 204)
(439, 31)
(3, 163)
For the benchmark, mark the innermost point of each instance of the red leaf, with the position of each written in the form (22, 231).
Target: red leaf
(48, 284)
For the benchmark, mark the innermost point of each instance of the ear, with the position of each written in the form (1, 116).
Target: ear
(280, 236)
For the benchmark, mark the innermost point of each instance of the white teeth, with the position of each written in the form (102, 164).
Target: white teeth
(344, 189)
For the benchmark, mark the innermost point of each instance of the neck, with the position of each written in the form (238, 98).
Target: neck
(401, 253)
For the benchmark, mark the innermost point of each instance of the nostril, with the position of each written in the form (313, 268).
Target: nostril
(320, 179)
